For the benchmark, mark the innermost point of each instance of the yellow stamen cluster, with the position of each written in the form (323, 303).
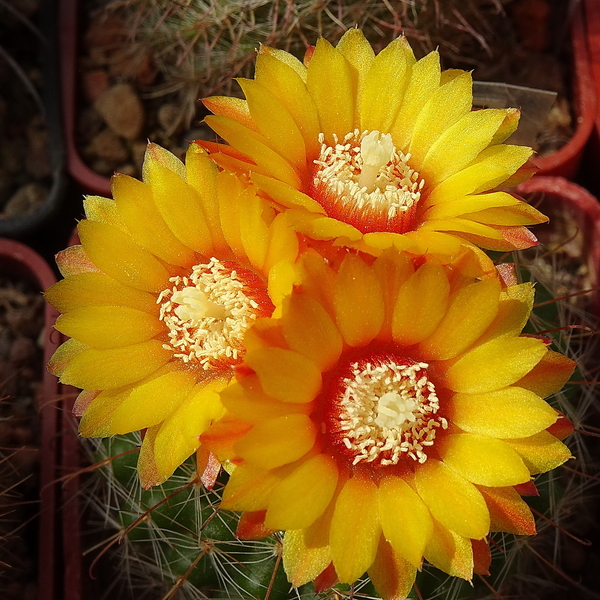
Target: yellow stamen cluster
(207, 314)
(388, 411)
(366, 170)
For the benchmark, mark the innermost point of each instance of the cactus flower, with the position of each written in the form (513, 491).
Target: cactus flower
(157, 298)
(367, 147)
(392, 414)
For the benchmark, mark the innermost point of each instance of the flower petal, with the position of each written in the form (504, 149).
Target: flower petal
(518, 214)
(461, 143)
(286, 195)
(119, 256)
(249, 488)
(234, 108)
(275, 123)
(355, 48)
(247, 401)
(73, 261)
(452, 500)
(355, 529)
(97, 418)
(392, 576)
(303, 563)
(255, 232)
(393, 270)
(508, 511)
(471, 311)
(97, 289)
(358, 298)
(109, 326)
(157, 155)
(424, 81)
(256, 147)
(421, 303)
(450, 552)
(303, 495)
(329, 82)
(516, 302)
(103, 210)
(492, 167)
(178, 436)
(446, 106)
(309, 330)
(99, 369)
(512, 412)
(64, 355)
(180, 206)
(201, 175)
(549, 374)
(404, 518)
(470, 204)
(277, 441)
(144, 223)
(541, 452)
(285, 83)
(146, 465)
(384, 86)
(152, 402)
(482, 460)
(285, 375)
(495, 364)
(464, 226)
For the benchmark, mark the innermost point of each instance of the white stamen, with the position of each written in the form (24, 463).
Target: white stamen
(387, 412)
(207, 314)
(367, 171)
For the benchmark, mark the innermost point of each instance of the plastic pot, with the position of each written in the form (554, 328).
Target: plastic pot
(19, 262)
(88, 179)
(592, 21)
(19, 226)
(562, 197)
(565, 162)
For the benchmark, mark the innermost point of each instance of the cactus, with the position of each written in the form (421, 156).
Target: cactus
(200, 46)
(175, 543)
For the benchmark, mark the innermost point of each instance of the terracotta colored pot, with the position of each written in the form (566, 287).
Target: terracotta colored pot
(71, 507)
(564, 162)
(592, 21)
(561, 196)
(91, 182)
(20, 262)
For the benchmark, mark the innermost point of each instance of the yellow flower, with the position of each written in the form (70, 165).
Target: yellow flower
(157, 298)
(375, 146)
(387, 416)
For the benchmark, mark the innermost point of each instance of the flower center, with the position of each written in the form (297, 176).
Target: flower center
(208, 312)
(367, 182)
(385, 411)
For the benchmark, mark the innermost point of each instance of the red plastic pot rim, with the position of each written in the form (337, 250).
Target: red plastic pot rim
(583, 203)
(565, 161)
(91, 181)
(19, 261)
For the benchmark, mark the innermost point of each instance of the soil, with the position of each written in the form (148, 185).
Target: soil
(520, 42)
(25, 170)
